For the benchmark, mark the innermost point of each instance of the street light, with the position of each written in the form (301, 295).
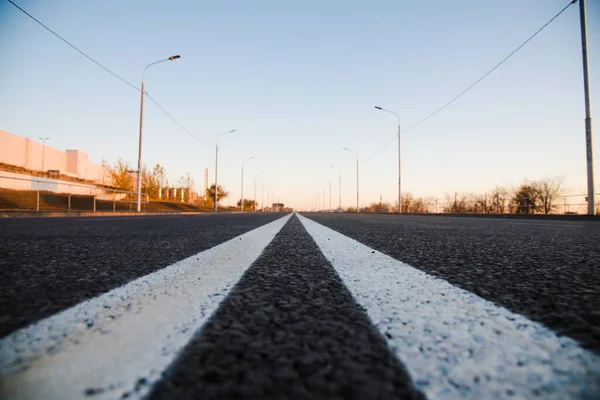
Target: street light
(242, 196)
(139, 171)
(217, 164)
(263, 171)
(324, 196)
(399, 160)
(43, 139)
(340, 185)
(347, 149)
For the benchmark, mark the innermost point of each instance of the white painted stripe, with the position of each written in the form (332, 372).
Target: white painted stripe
(454, 343)
(128, 336)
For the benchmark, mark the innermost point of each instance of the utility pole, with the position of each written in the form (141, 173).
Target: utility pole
(340, 190)
(242, 191)
(589, 139)
(357, 191)
(205, 183)
(330, 195)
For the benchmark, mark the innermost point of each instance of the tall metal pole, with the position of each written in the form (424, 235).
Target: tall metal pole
(242, 191)
(340, 187)
(399, 172)
(330, 195)
(242, 199)
(216, 172)
(139, 170)
(217, 165)
(357, 207)
(357, 181)
(399, 159)
(255, 176)
(589, 139)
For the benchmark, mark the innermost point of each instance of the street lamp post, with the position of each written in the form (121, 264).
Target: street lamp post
(399, 160)
(340, 185)
(139, 171)
(330, 195)
(324, 194)
(255, 188)
(43, 139)
(589, 139)
(242, 191)
(217, 164)
(357, 187)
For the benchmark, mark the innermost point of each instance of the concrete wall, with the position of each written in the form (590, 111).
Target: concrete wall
(26, 153)
(15, 181)
(11, 180)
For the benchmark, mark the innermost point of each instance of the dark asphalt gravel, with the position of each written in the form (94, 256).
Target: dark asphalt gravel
(546, 270)
(47, 265)
(288, 330)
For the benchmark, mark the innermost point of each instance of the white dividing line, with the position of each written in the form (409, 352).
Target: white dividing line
(454, 343)
(121, 341)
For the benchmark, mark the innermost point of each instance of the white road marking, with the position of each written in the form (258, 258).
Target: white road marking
(121, 341)
(454, 343)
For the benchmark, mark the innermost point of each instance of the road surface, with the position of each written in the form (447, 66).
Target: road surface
(299, 306)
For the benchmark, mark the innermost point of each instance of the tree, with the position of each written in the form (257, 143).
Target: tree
(186, 181)
(527, 199)
(548, 190)
(379, 207)
(417, 206)
(498, 199)
(458, 203)
(248, 204)
(221, 193)
(120, 175)
(407, 199)
(160, 174)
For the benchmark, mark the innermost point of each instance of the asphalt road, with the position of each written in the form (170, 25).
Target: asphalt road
(289, 329)
(311, 315)
(548, 271)
(47, 265)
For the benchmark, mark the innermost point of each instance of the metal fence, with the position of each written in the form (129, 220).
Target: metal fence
(568, 204)
(563, 204)
(44, 194)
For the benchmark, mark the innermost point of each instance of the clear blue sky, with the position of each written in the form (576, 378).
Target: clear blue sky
(298, 80)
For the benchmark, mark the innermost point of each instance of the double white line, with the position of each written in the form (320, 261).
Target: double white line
(454, 344)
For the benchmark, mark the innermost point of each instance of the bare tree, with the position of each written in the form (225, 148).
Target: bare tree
(457, 204)
(548, 191)
(498, 200)
(417, 206)
(479, 204)
(407, 199)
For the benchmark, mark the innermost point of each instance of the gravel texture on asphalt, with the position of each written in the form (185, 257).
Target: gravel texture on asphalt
(548, 271)
(288, 329)
(48, 265)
